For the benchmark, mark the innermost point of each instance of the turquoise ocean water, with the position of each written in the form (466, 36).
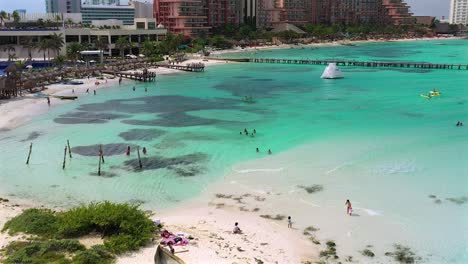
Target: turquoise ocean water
(190, 123)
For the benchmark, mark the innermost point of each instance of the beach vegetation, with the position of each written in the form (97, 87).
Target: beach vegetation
(312, 188)
(368, 253)
(403, 254)
(123, 227)
(330, 251)
(277, 217)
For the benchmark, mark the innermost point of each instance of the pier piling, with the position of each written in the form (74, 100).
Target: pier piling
(101, 154)
(29, 154)
(69, 149)
(139, 159)
(64, 158)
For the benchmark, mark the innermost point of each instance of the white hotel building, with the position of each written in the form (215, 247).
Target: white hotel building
(458, 12)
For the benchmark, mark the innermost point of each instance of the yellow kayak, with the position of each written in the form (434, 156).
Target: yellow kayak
(432, 93)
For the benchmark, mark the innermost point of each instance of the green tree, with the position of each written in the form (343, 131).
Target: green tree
(29, 45)
(101, 43)
(3, 17)
(59, 60)
(149, 49)
(122, 44)
(9, 48)
(73, 51)
(56, 42)
(44, 46)
(16, 17)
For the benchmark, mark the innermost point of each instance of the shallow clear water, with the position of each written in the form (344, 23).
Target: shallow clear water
(371, 130)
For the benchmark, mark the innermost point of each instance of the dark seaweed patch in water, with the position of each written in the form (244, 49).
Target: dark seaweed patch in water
(87, 118)
(186, 165)
(158, 104)
(142, 134)
(241, 77)
(173, 120)
(256, 89)
(262, 80)
(412, 114)
(302, 68)
(108, 149)
(193, 136)
(410, 71)
(104, 174)
(170, 143)
(31, 136)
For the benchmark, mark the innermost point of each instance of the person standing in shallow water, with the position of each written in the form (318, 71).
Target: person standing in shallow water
(48, 101)
(258, 150)
(349, 207)
(128, 151)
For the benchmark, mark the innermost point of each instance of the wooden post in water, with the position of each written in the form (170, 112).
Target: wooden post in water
(69, 149)
(101, 154)
(64, 157)
(29, 155)
(99, 166)
(139, 159)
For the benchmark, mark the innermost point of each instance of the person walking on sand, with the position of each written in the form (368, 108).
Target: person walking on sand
(289, 222)
(87, 91)
(236, 229)
(349, 207)
(48, 101)
(120, 80)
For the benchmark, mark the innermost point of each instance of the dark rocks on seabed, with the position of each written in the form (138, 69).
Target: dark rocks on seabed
(185, 165)
(142, 134)
(33, 135)
(87, 118)
(108, 149)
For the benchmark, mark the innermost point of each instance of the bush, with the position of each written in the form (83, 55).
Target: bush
(95, 255)
(123, 226)
(35, 252)
(41, 222)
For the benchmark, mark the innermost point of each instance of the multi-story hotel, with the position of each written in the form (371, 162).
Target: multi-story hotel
(458, 12)
(191, 17)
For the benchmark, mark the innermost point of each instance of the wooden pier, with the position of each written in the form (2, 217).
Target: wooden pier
(144, 76)
(193, 67)
(373, 64)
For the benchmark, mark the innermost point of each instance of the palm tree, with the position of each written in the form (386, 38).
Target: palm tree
(30, 45)
(122, 44)
(3, 17)
(16, 17)
(8, 48)
(73, 50)
(44, 46)
(56, 42)
(59, 60)
(101, 43)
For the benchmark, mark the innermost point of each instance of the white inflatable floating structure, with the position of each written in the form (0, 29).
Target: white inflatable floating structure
(332, 72)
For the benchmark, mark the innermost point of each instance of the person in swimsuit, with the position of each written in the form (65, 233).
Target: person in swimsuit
(236, 229)
(349, 207)
(128, 151)
(144, 150)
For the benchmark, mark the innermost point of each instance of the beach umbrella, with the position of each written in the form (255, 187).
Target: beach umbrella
(29, 67)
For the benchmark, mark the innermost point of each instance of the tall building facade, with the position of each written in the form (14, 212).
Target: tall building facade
(458, 12)
(63, 6)
(126, 14)
(101, 2)
(142, 9)
(348, 12)
(195, 17)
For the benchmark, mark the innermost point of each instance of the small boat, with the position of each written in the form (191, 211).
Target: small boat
(163, 256)
(332, 72)
(74, 82)
(65, 97)
(435, 93)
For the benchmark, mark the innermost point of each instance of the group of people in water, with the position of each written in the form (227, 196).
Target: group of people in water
(254, 132)
(128, 151)
(459, 123)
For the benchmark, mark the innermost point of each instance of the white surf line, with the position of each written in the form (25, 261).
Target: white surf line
(339, 167)
(308, 203)
(258, 170)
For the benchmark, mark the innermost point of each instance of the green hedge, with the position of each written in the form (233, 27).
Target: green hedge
(124, 227)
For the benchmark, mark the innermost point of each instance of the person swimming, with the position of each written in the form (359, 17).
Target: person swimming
(144, 150)
(257, 150)
(349, 207)
(458, 123)
(252, 135)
